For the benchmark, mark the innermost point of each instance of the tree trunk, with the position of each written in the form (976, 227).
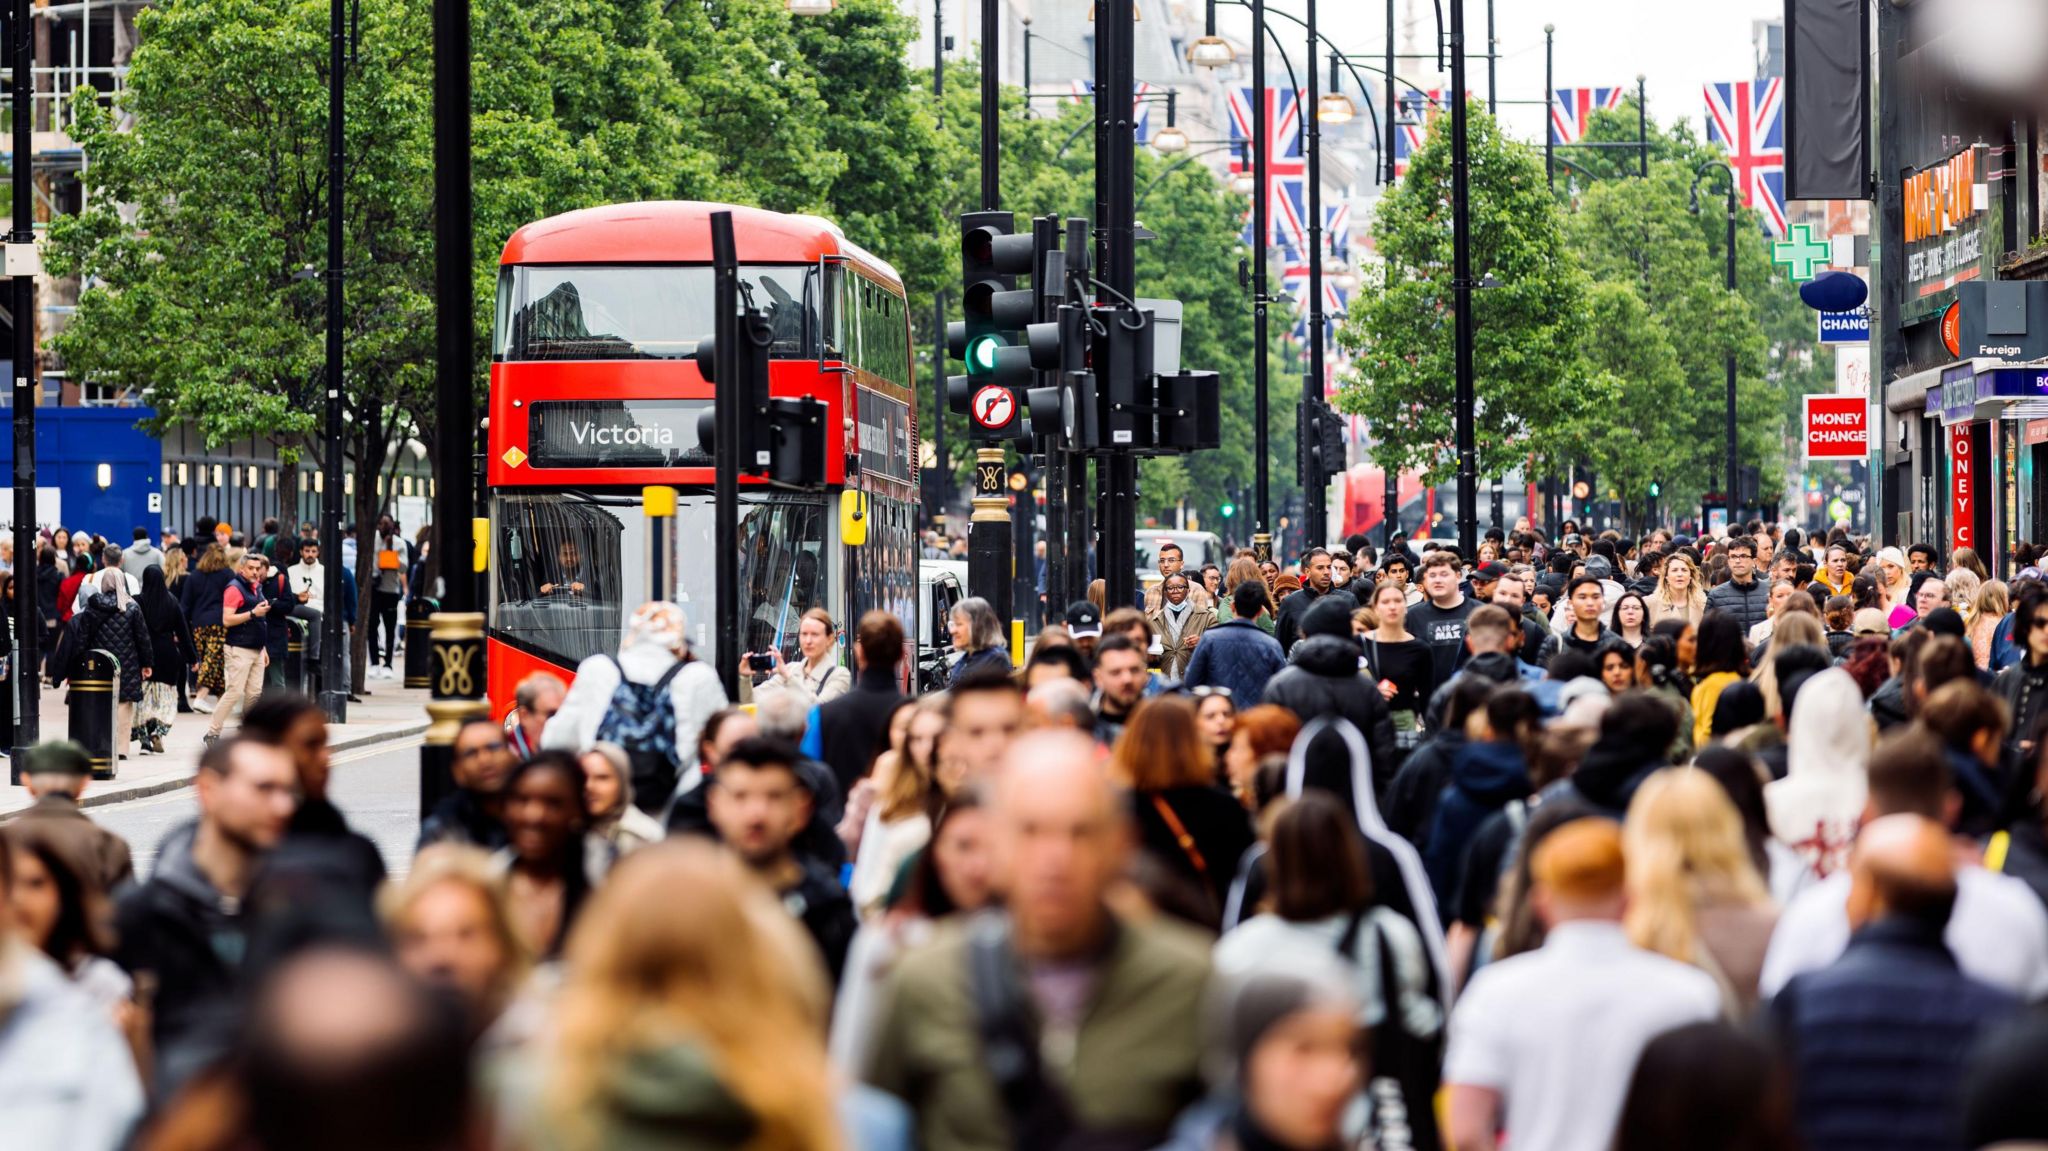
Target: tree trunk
(288, 514)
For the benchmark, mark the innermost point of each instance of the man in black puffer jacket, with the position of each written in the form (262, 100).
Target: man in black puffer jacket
(1322, 678)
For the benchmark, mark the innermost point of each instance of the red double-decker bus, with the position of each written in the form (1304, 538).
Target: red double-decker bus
(595, 394)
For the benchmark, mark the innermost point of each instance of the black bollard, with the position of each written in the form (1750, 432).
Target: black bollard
(295, 657)
(419, 643)
(91, 700)
(457, 680)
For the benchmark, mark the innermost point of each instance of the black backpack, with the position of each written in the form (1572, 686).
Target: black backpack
(642, 719)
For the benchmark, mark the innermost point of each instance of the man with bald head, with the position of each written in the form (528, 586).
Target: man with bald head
(1878, 1041)
(1052, 1019)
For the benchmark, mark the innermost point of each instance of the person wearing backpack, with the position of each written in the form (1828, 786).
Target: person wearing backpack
(651, 699)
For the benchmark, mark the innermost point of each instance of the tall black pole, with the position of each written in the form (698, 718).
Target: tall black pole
(991, 559)
(942, 471)
(1461, 294)
(1390, 110)
(1314, 482)
(1492, 77)
(725, 428)
(1262, 535)
(1642, 127)
(1734, 474)
(454, 318)
(1027, 67)
(27, 391)
(457, 637)
(1116, 220)
(1549, 98)
(333, 692)
(991, 106)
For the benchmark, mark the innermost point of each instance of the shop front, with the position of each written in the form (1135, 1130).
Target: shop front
(1981, 423)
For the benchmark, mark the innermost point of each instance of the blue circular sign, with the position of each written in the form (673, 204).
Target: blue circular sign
(1834, 292)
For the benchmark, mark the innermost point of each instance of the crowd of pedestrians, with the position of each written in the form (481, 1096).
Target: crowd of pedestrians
(200, 623)
(1585, 844)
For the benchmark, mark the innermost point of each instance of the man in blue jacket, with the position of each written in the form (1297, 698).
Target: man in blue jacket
(1237, 653)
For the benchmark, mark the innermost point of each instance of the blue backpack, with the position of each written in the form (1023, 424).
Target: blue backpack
(641, 718)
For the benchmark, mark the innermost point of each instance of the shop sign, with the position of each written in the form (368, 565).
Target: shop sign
(2002, 321)
(1852, 370)
(1837, 427)
(1850, 327)
(1956, 400)
(1945, 226)
(1962, 488)
(2035, 432)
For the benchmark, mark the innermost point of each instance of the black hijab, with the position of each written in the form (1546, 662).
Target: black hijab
(158, 606)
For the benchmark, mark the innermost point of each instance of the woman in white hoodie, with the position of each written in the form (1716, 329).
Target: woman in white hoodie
(1815, 809)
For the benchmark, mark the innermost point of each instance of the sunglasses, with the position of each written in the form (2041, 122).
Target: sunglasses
(1205, 692)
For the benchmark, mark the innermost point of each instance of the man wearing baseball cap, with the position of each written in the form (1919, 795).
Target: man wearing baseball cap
(1084, 623)
(56, 774)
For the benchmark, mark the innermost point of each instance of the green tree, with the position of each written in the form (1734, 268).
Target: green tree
(1527, 329)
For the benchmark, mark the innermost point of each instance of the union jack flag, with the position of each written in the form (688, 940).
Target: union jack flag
(1414, 111)
(1286, 187)
(1747, 118)
(1083, 91)
(1571, 109)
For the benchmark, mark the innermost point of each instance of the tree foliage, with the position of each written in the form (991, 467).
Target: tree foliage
(1526, 333)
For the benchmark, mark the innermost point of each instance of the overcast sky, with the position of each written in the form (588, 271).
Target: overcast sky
(1679, 45)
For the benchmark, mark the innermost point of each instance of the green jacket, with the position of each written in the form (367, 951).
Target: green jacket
(1133, 1066)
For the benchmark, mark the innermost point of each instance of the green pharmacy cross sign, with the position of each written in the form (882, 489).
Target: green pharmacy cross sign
(1800, 253)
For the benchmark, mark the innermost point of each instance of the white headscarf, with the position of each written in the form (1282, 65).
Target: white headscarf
(1814, 810)
(115, 581)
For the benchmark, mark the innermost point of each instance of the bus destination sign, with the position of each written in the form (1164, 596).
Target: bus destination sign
(615, 433)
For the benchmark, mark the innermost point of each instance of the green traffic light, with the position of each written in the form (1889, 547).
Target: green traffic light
(981, 353)
(1229, 510)
(1656, 489)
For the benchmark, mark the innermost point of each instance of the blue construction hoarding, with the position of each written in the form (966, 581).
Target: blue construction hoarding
(95, 470)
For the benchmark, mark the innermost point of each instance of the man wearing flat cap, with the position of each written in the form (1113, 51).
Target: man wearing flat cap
(56, 774)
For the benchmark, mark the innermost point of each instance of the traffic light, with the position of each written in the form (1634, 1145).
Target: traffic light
(1190, 410)
(1227, 510)
(1124, 384)
(997, 340)
(1328, 441)
(1656, 489)
(783, 439)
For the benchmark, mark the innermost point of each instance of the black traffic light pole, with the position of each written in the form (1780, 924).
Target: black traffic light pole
(1047, 296)
(1262, 524)
(27, 390)
(725, 456)
(1080, 523)
(1115, 215)
(989, 560)
(458, 628)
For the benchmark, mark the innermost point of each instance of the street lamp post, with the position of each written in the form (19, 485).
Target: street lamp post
(1262, 537)
(1549, 95)
(27, 390)
(1699, 176)
(333, 692)
(1308, 449)
(1466, 400)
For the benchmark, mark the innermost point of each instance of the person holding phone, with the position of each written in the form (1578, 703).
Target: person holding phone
(819, 674)
(245, 612)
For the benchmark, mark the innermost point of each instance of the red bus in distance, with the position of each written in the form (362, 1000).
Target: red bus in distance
(595, 394)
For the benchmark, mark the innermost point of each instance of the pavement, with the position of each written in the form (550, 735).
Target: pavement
(390, 713)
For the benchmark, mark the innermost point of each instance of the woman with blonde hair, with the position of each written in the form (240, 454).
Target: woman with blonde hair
(1694, 894)
(1791, 629)
(1993, 600)
(818, 676)
(697, 1021)
(1678, 594)
(1962, 592)
(1190, 826)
